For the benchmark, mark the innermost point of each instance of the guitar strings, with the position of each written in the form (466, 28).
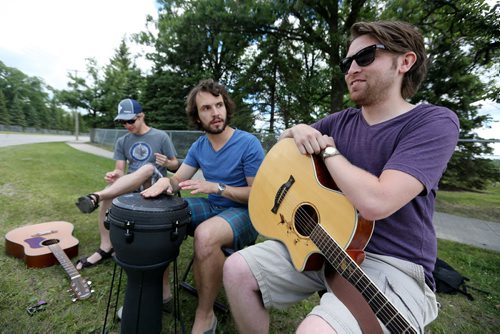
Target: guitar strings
(307, 223)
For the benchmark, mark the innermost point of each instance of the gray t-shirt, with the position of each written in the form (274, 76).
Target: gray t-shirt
(139, 150)
(420, 143)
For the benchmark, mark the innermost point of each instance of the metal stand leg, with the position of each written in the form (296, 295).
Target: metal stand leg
(104, 329)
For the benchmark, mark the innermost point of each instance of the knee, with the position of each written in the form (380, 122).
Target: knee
(204, 244)
(314, 323)
(147, 170)
(236, 270)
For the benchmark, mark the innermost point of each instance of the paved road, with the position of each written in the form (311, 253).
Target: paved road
(10, 139)
(469, 231)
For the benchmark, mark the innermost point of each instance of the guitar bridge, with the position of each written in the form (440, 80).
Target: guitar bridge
(282, 191)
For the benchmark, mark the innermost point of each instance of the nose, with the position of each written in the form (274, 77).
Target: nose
(353, 68)
(215, 110)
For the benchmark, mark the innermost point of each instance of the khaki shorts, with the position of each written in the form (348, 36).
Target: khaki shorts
(282, 285)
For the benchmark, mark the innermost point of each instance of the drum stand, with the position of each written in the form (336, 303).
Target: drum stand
(142, 311)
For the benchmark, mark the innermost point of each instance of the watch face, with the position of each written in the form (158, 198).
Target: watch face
(330, 150)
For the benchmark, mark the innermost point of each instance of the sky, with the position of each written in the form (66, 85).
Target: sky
(50, 38)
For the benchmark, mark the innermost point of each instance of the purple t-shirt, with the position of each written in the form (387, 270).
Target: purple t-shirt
(420, 143)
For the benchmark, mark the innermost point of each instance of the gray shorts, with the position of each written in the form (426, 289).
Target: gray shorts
(281, 285)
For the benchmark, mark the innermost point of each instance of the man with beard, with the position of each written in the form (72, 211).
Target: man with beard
(387, 157)
(229, 159)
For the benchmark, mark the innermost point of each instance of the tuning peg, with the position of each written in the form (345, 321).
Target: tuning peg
(74, 299)
(89, 283)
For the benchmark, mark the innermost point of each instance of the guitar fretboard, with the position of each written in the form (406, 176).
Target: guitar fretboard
(345, 266)
(64, 261)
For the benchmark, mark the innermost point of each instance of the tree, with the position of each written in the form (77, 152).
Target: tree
(16, 112)
(4, 112)
(194, 42)
(122, 79)
(26, 99)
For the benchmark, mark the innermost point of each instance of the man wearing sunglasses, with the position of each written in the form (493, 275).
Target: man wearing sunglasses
(387, 157)
(147, 151)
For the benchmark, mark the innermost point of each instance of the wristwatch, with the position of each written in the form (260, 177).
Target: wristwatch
(220, 188)
(329, 151)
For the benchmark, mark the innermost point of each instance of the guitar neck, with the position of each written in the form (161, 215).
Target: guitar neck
(79, 286)
(345, 266)
(63, 259)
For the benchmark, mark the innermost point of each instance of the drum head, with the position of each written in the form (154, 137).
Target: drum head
(162, 203)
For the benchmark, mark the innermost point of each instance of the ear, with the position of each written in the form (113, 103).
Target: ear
(407, 61)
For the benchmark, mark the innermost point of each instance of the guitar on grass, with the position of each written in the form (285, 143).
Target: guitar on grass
(43, 245)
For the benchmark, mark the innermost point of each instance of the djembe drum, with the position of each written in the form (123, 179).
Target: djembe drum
(146, 235)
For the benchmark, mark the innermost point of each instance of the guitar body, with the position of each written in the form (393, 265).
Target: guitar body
(291, 194)
(27, 242)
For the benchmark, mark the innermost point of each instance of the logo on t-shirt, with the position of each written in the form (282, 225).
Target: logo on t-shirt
(140, 151)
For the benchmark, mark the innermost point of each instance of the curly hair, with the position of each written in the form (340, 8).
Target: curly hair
(398, 37)
(214, 88)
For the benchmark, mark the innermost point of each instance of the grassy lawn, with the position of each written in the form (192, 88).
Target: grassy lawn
(40, 183)
(483, 205)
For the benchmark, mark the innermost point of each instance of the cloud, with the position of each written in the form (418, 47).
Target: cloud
(49, 38)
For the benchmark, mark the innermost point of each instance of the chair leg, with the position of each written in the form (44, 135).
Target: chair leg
(185, 284)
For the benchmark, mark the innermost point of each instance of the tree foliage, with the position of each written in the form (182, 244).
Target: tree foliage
(279, 61)
(27, 102)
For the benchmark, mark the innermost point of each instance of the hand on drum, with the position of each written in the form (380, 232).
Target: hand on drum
(159, 187)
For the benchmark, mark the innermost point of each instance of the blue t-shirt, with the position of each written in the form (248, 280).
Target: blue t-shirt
(139, 150)
(420, 143)
(238, 159)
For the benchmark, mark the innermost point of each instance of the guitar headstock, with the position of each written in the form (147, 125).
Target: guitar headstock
(80, 288)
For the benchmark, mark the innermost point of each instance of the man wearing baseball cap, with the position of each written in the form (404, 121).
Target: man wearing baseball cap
(147, 151)
(128, 110)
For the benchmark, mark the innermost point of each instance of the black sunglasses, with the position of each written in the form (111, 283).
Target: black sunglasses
(130, 121)
(363, 57)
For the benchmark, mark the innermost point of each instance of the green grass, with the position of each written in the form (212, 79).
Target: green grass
(40, 182)
(483, 205)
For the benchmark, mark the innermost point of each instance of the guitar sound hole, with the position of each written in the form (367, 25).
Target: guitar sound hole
(49, 242)
(306, 218)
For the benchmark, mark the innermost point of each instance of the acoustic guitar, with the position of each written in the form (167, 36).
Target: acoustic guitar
(295, 200)
(43, 245)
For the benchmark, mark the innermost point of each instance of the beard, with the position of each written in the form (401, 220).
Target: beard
(372, 94)
(374, 91)
(211, 130)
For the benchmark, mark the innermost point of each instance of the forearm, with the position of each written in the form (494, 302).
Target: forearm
(360, 187)
(237, 194)
(174, 183)
(374, 197)
(172, 165)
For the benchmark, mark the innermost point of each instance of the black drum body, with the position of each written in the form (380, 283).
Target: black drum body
(146, 235)
(147, 232)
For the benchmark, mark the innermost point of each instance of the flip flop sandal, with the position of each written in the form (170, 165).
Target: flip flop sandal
(104, 255)
(212, 329)
(88, 203)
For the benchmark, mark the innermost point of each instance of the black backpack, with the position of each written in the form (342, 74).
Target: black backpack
(448, 280)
